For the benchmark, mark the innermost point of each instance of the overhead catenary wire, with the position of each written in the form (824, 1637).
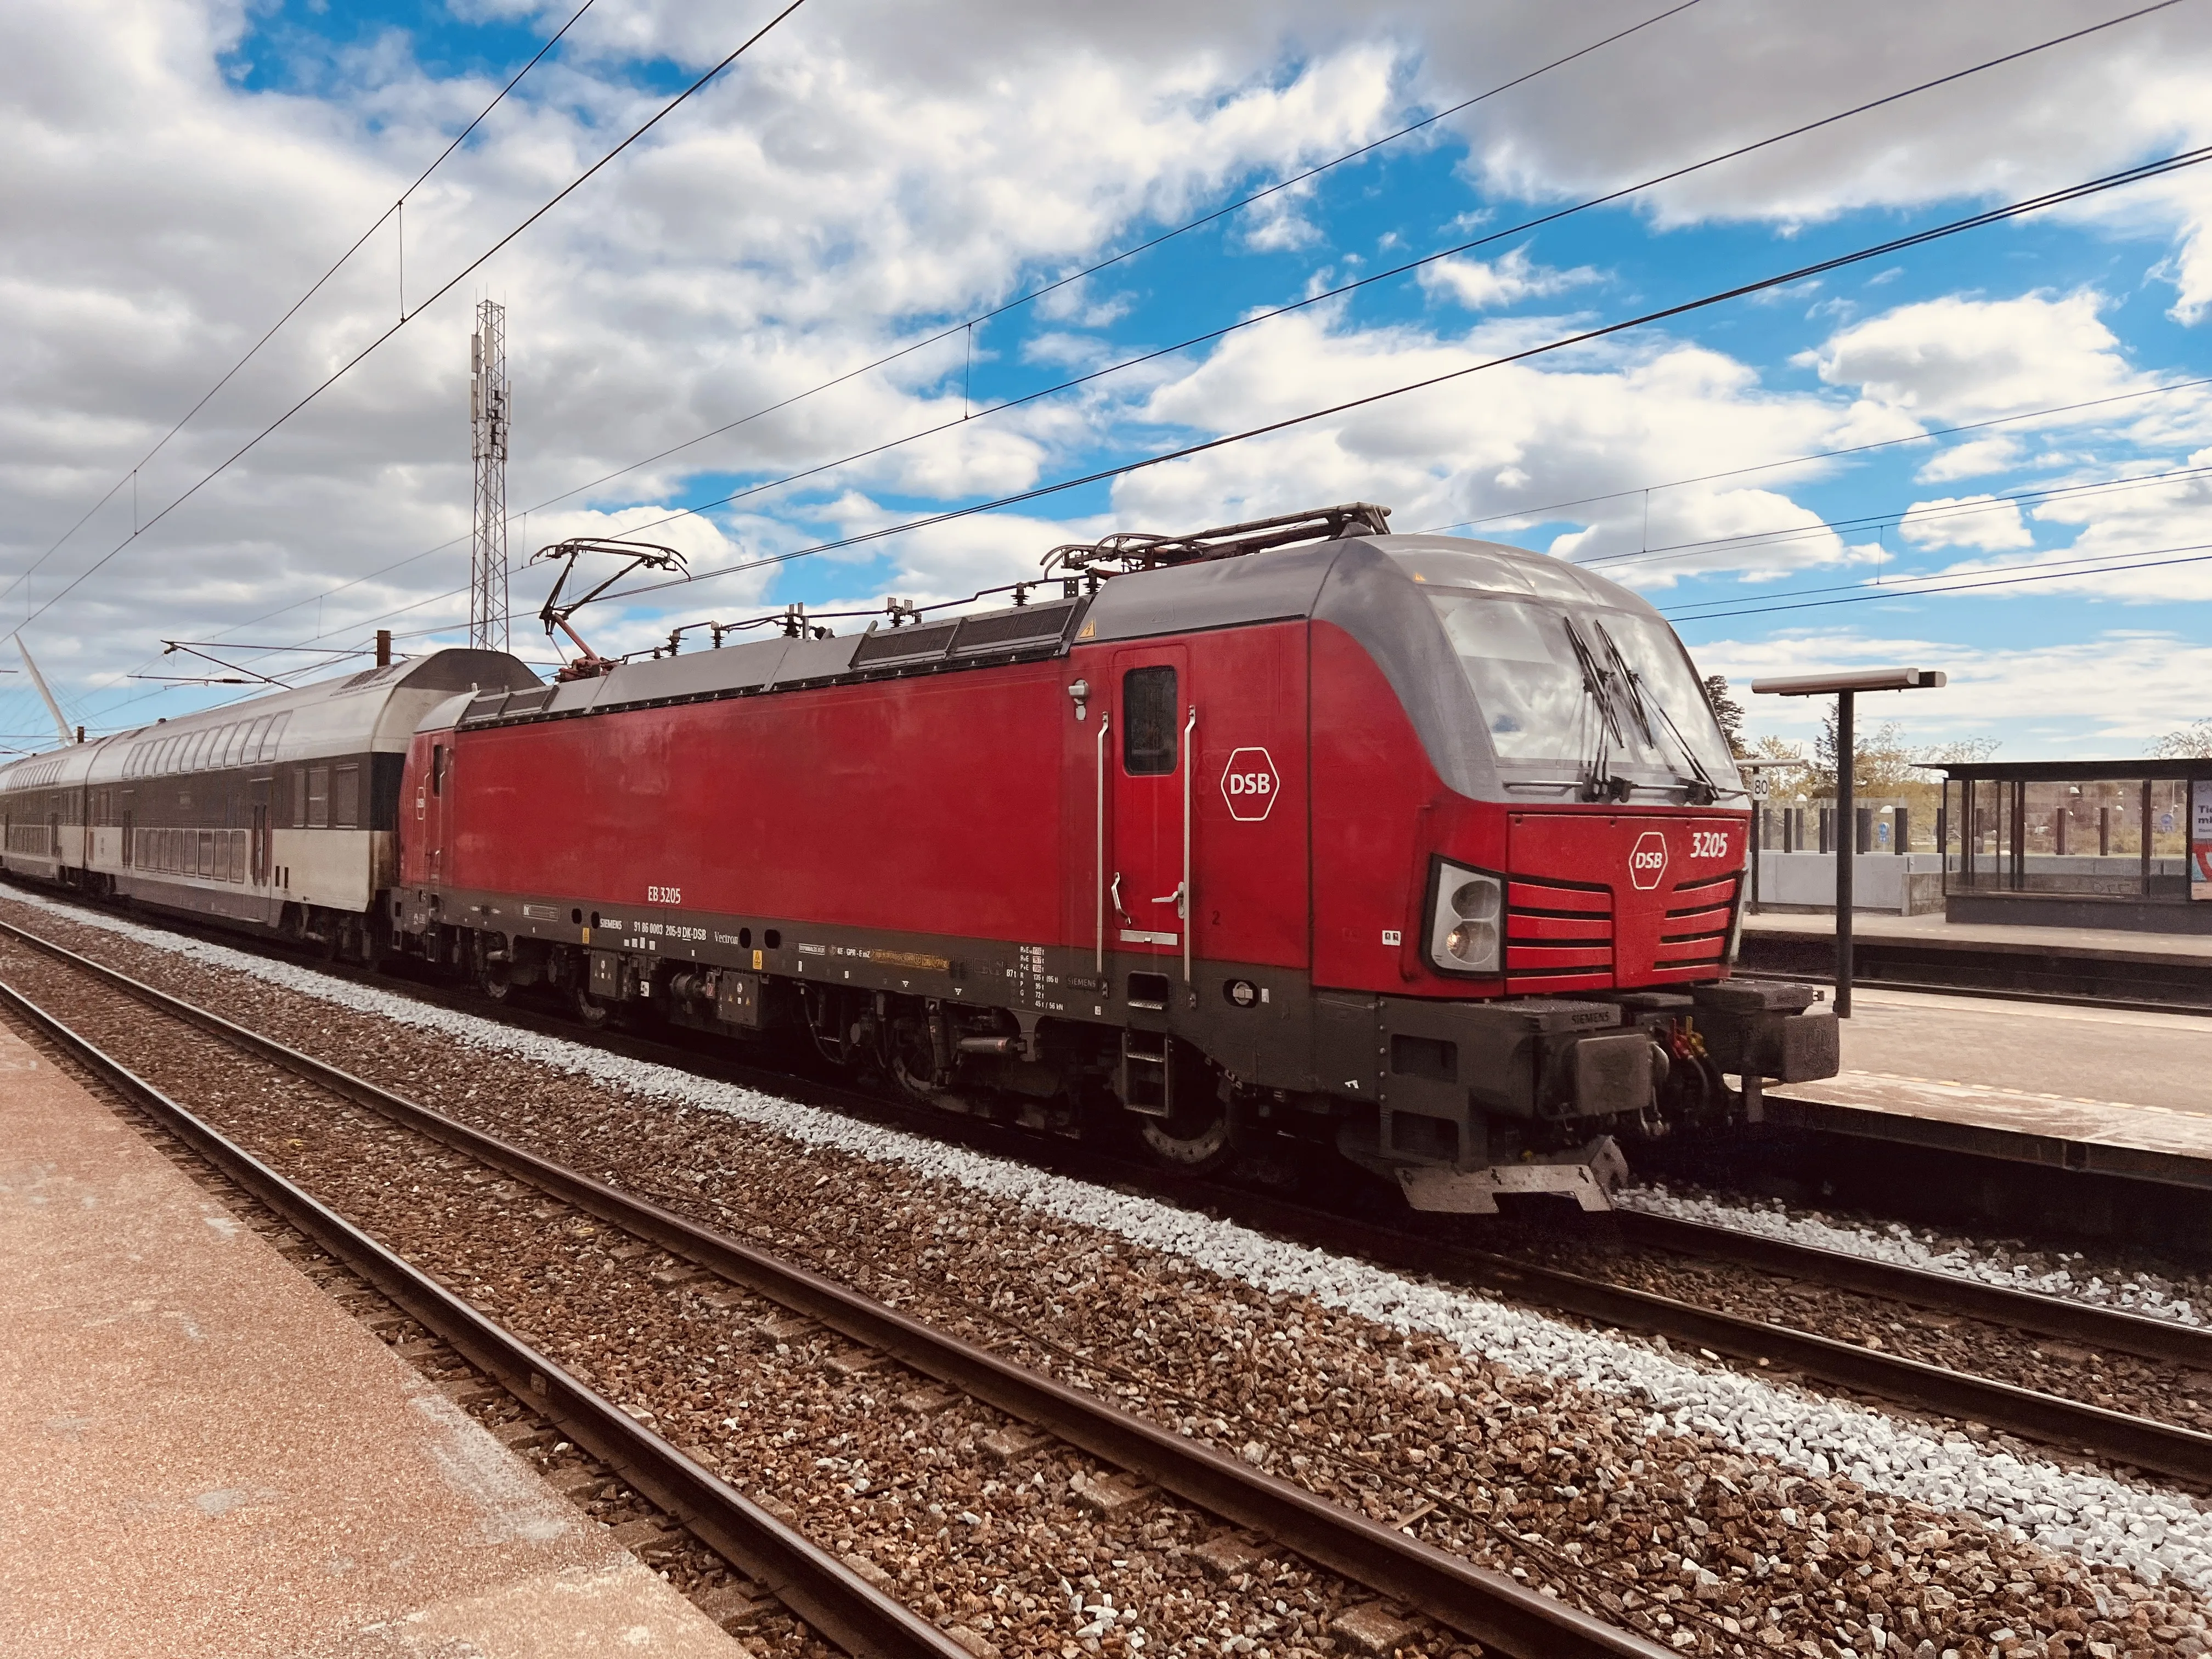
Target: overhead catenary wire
(968, 325)
(1813, 457)
(1405, 268)
(1782, 535)
(1033, 294)
(130, 478)
(1391, 273)
(2041, 202)
(1810, 458)
(454, 282)
(1902, 586)
(2148, 559)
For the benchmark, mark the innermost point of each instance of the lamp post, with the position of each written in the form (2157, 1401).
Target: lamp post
(1845, 688)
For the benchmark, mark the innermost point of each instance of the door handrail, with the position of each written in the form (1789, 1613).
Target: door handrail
(1188, 911)
(1103, 724)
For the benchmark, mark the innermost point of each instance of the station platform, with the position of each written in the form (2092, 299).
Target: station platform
(2123, 964)
(201, 1453)
(2111, 1091)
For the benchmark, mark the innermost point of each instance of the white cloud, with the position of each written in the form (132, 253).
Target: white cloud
(1981, 521)
(854, 182)
(1480, 285)
(2107, 694)
(1960, 359)
(1970, 460)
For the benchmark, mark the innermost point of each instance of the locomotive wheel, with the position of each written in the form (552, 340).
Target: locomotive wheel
(492, 979)
(591, 1011)
(1194, 1138)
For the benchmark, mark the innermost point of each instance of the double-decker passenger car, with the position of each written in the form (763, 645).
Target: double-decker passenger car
(278, 813)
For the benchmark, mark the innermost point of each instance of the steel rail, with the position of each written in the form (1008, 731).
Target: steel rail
(829, 1596)
(2115, 1328)
(1916, 1385)
(2053, 1418)
(1488, 1607)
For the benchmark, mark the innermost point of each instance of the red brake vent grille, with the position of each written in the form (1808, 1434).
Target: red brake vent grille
(1693, 935)
(1558, 937)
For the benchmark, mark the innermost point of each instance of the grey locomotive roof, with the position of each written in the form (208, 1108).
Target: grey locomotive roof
(370, 709)
(1282, 584)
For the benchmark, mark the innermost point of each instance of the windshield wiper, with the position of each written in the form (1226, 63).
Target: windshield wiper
(1598, 782)
(1698, 787)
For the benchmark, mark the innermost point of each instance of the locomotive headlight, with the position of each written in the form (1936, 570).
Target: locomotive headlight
(1466, 921)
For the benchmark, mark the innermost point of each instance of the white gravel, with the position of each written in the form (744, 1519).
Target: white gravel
(2150, 1532)
(2016, 1267)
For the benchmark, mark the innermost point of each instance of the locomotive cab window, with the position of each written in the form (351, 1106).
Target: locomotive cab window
(1148, 722)
(437, 768)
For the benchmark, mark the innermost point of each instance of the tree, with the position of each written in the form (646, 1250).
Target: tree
(2192, 742)
(1728, 712)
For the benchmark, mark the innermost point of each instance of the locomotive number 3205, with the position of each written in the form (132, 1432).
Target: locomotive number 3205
(1708, 844)
(664, 896)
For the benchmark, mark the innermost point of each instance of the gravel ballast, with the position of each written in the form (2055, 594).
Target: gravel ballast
(1400, 1396)
(2155, 1292)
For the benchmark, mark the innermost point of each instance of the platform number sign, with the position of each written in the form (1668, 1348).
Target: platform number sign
(2200, 839)
(1647, 861)
(1249, 784)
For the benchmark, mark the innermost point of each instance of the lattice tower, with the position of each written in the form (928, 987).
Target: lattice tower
(488, 412)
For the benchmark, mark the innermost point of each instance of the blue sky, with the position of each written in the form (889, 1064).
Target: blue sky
(860, 183)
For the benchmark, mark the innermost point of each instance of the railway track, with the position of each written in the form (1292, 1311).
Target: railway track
(2068, 1425)
(816, 1586)
(1458, 1595)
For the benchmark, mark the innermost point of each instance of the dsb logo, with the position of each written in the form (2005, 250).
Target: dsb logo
(1249, 784)
(1647, 861)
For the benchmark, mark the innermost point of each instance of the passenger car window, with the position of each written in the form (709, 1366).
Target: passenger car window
(1148, 722)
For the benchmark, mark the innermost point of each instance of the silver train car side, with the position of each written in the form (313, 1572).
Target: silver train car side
(278, 814)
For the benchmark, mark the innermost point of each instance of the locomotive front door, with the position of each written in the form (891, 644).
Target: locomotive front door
(431, 813)
(1147, 868)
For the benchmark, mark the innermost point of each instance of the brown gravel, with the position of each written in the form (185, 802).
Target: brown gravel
(2175, 1393)
(944, 1502)
(1689, 1540)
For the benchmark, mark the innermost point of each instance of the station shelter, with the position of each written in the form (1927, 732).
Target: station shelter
(2118, 844)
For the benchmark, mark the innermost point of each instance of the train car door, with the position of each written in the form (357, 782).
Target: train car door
(1147, 896)
(260, 858)
(431, 809)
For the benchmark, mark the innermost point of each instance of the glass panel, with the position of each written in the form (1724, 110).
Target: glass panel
(318, 798)
(1148, 722)
(2169, 840)
(345, 798)
(1533, 685)
(2083, 838)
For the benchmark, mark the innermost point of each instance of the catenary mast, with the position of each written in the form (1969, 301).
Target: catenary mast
(488, 411)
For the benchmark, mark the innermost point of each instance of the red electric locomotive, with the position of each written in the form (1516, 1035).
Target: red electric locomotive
(1426, 850)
